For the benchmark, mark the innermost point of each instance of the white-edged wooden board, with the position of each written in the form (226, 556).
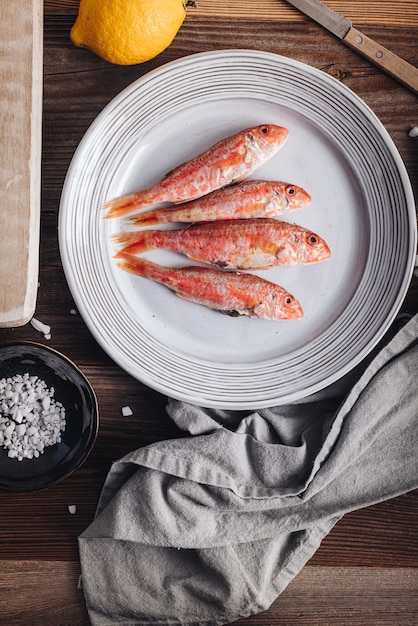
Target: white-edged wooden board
(21, 65)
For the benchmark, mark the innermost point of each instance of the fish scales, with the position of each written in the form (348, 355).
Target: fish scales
(230, 160)
(246, 244)
(248, 199)
(232, 293)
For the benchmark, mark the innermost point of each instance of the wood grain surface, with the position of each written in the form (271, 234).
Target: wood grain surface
(365, 572)
(389, 12)
(350, 591)
(21, 28)
(394, 65)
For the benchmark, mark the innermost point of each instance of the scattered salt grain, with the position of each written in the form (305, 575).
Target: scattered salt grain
(41, 327)
(126, 411)
(413, 132)
(72, 509)
(73, 312)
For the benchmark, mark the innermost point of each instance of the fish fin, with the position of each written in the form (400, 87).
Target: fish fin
(149, 218)
(184, 200)
(172, 171)
(132, 264)
(126, 204)
(118, 207)
(124, 237)
(240, 179)
(195, 258)
(136, 245)
(283, 256)
(206, 304)
(182, 295)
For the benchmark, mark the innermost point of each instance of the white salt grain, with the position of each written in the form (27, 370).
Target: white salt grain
(126, 411)
(413, 132)
(72, 509)
(30, 417)
(40, 326)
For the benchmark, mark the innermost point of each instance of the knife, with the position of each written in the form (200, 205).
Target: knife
(342, 27)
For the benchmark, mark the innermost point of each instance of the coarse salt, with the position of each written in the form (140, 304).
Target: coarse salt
(30, 417)
(41, 327)
(126, 411)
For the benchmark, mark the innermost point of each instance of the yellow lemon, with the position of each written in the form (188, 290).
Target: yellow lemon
(126, 32)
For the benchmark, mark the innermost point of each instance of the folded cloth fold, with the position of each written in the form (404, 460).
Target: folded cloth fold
(212, 527)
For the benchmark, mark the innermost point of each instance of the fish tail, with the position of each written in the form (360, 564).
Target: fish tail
(125, 237)
(145, 268)
(120, 206)
(135, 265)
(137, 242)
(149, 218)
(126, 204)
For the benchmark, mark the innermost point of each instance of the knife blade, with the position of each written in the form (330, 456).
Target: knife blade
(342, 28)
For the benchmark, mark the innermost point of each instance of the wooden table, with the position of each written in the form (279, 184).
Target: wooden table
(366, 570)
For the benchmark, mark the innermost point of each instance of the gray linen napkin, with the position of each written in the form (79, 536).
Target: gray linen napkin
(212, 527)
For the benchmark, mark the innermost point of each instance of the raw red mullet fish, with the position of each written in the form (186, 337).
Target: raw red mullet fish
(234, 244)
(232, 293)
(228, 161)
(251, 198)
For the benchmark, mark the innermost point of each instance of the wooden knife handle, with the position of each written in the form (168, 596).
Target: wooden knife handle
(383, 58)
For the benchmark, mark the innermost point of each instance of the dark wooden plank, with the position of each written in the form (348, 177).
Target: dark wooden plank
(317, 596)
(77, 86)
(41, 594)
(360, 11)
(365, 571)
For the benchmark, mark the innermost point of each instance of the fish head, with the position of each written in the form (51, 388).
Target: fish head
(280, 305)
(269, 138)
(297, 197)
(290, 307)
(315, 248)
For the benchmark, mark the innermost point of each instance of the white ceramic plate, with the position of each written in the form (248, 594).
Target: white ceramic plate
(362, 205)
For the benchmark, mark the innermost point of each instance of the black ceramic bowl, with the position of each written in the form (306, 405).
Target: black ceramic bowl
(74, 392)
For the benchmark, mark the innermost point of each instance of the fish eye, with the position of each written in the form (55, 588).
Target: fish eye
(264, 130)
(290, 191)
(312, 239)
(288, 300)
